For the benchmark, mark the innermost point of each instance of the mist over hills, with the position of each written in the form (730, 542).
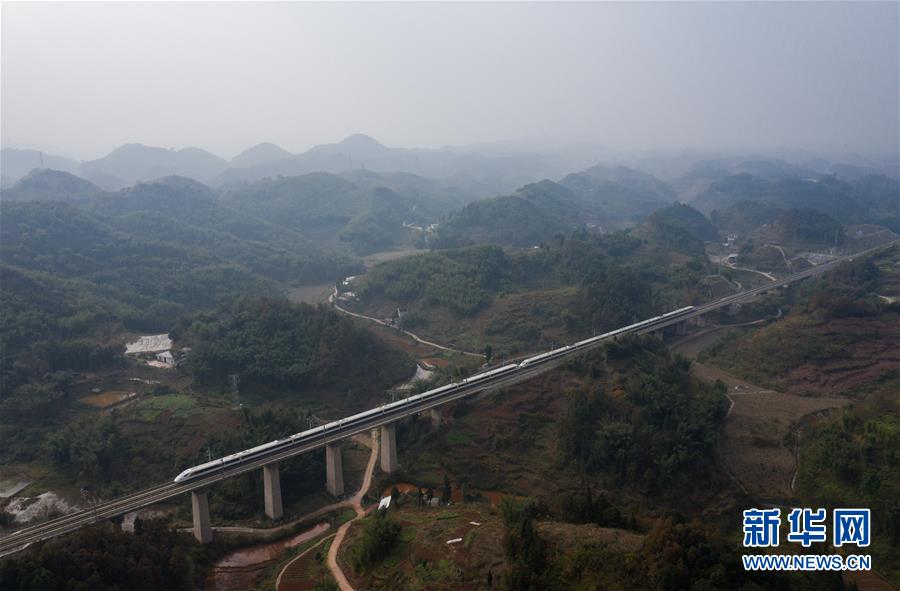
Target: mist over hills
(485, 170)
(16, 163)
(259, 154)
(479, 170)
(601, 197)
(44, 184)
(864, 199)
(133, 163)
(487, 173)
(358, 196)
(183, 213)
(361, 210)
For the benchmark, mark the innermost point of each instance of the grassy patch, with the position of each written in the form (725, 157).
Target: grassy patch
(178, 405)
(457, 437)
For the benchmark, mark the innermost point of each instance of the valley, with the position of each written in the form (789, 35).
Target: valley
(611, 451)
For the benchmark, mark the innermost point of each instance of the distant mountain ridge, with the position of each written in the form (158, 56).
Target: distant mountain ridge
(15, 164)
(864, 199)
(259, 154)
(488, 169)
(488, 173)
(602, 197)
(357, 212)
(134, 163)
(485, 173)
(185, 213)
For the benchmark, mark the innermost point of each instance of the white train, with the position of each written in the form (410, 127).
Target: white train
(321, 432)
(612, 334)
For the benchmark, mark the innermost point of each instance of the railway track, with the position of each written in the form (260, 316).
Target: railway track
(20, 539)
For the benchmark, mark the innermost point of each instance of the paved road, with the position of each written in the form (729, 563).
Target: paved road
(167, 490)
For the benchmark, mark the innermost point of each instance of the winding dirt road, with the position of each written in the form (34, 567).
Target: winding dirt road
(356, 501)
(334, 301)
(298, 557)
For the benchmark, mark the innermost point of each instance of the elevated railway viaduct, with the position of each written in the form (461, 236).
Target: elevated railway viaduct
(196, 481)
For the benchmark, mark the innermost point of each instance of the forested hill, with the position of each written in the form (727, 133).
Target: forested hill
(870, 199)
(785, 226)
(571, 286)
(70, 279)
(182, 213)
(53, 185)
(679, 227)
(330, 210)
(275, 342)
(531, 215)
(360, 209)
(601, 196)
(617, 194)
(356, 213)
(133, 163)
(63, 241)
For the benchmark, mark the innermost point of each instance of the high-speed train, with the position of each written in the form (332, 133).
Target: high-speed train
(321, 432)
(612, 334)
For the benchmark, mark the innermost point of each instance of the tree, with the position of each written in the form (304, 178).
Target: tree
(488, 353)
(526, 550)
(447, 489)
(380, 534)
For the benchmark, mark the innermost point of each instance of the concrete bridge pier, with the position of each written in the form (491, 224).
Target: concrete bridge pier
(272, 491)
(681, 328)
(202, 525)
(435, 414)
(334, 469)
(389, 448)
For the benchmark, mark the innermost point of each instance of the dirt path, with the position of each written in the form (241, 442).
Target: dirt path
(787, 263)
(758, 442)
(333, 300)
(356, 501)
(768, 276)
(298, 557)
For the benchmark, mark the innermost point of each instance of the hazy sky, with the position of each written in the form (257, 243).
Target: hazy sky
(88, 77)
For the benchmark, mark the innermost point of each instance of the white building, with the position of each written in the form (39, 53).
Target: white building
(166, 357)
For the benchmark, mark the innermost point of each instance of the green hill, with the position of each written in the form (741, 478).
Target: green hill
(362, 210)
(275, 342)
(53, 185)
(869, 199)
(601, 196)
(618, 196)
(180, 212)
(528, 298)
(531, 215)
(680, 227)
